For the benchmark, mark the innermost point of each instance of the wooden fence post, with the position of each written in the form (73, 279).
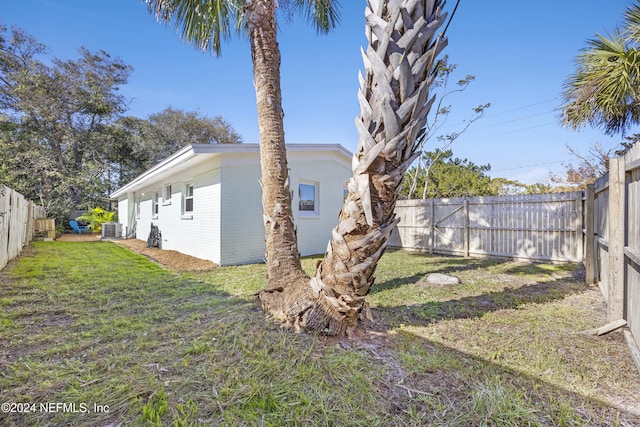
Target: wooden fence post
(589, 235)
(580, 227)
(432, 227)
(465, 228)
(615, 310)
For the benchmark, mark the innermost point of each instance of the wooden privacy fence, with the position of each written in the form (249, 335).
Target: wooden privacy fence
(17, 223)
(612, 256)
(537, 226)
(600, 227)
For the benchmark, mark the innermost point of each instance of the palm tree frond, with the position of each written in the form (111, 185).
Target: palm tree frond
(604, 91)
(632, 22)
(323, 14)
(202, 23)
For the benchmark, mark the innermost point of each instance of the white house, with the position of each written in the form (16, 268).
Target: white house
(206, 200)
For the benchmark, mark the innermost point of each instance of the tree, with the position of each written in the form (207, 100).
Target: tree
(589, 166)
(172, 129)
(451, 177)
(54, 117)
(138, 144)
(420, 172)
(605, 89)
(205, 25)
(394, 100)
(400, 65)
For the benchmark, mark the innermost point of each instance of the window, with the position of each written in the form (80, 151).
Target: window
(156, 204)
(188, 199)
(166, 199)
(137, 207)
(308, 199)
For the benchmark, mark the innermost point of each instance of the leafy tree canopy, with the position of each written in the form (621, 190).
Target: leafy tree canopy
(53, 114)
(64, 139)
(451, 177)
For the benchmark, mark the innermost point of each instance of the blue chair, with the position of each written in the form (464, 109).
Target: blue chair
(78, 228)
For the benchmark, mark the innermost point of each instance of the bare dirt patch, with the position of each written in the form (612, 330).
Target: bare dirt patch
(173, 260)
(74, 237)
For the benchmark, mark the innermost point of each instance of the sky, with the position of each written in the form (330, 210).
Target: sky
(520, 52)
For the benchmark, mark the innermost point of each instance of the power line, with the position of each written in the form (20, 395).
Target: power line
(514, 131)
(521, 108)
(449, 125)
(530, 166)
(514, 120)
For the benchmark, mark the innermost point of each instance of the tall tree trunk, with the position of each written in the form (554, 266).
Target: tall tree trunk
(282, 255)
(394, 103)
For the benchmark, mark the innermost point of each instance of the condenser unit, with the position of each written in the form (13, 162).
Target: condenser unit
(111, 230)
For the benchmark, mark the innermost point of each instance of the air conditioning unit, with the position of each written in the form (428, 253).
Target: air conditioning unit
(111, 230)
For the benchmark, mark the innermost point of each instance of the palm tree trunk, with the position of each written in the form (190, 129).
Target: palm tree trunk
(284, 272)
(394, 103)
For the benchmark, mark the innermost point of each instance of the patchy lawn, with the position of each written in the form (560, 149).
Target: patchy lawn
(94, 334)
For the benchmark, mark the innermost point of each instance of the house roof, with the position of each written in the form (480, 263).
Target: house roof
(185, 157)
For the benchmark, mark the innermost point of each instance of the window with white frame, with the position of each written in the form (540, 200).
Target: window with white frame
(308, 198)
(156, 203)
(137, 206)
(188, 199)
(166, 199)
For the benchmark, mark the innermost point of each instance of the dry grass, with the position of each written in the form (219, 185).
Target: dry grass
(95, 323)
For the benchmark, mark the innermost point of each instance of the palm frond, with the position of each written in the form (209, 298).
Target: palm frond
(323, 14)
(202, 23)
(632, 22)
(604, 91)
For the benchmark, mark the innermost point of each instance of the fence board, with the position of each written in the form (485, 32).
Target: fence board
(17, 223)
(601, 232)
(616, 229)
(617, 196)
(4, 225)
(631, 242)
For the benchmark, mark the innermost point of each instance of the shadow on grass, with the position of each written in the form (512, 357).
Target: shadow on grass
(443, 264)
(443, 386)
(479, 305)
(488, 284)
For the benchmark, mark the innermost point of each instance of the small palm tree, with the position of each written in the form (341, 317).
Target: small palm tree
(605, 89)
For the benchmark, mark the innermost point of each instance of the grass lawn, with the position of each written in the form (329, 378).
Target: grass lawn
(92, 334)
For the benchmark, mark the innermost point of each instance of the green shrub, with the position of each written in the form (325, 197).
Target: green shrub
(97, 217)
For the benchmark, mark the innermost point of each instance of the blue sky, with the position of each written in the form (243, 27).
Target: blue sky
(520, 52)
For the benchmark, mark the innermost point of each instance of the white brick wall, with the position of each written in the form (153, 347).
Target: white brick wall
(314, 232)
(242, 231)
(227, 226)
(198, 236)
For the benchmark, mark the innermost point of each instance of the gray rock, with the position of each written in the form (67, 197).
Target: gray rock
(442, 279)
